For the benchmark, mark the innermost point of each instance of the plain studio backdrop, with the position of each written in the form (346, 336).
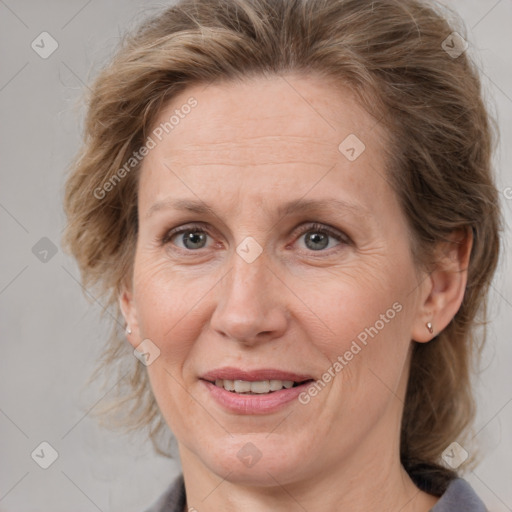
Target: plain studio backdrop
(51, 335)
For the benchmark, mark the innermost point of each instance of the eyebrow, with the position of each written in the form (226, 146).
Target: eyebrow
(295, 206)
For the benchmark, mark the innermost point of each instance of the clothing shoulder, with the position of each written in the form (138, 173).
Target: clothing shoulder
(459, 497)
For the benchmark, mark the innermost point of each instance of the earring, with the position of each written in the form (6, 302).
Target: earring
(128, 330)
(430, 328)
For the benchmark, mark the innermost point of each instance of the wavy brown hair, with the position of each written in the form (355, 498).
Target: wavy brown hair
(390, 54)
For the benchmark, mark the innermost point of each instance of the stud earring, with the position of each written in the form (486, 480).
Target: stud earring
(128, 330)
(430, 328)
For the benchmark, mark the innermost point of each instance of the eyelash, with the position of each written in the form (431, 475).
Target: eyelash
(315, 227)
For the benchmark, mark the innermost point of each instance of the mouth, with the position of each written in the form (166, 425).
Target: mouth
(259, 387)
(255, 382)
(254, 392)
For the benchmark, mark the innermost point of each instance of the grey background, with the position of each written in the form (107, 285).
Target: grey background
(51, 335)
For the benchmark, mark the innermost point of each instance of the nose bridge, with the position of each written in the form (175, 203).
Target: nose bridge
(247, 307)
(247, 282)
(249, 265)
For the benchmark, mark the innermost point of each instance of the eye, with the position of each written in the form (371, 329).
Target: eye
(317, 237)
(192, 237)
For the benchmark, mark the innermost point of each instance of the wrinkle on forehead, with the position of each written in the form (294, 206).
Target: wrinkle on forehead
(262, 137)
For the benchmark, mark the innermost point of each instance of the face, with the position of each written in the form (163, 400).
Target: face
(271, 249)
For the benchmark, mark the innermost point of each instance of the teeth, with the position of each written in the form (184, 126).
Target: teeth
(276, 385)
(242, 386)
(261, 386)
(258, 387)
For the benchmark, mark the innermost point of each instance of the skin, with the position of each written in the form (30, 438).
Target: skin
(245, 150)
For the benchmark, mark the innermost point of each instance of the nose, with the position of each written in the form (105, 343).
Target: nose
(250, 307)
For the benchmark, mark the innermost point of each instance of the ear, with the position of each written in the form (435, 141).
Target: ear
(443, 289)
(129, 311)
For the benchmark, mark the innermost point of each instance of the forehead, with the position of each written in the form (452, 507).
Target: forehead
(292, 106)
(264, 130)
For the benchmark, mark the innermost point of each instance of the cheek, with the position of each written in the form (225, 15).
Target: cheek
(360, 320)
(169, 303)
(342, 305)
(165, 303)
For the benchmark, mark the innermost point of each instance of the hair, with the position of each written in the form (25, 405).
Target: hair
(390, 54)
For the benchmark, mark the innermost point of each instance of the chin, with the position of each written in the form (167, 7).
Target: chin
(254, 460)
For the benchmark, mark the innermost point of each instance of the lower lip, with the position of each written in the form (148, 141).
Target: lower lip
(254, 404)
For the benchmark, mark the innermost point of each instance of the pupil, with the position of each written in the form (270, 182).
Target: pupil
(193, 237)
(319, 241)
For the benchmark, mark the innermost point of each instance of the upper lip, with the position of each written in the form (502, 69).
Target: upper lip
(229, 373)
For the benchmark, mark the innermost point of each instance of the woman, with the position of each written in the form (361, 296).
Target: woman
(291, 205)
